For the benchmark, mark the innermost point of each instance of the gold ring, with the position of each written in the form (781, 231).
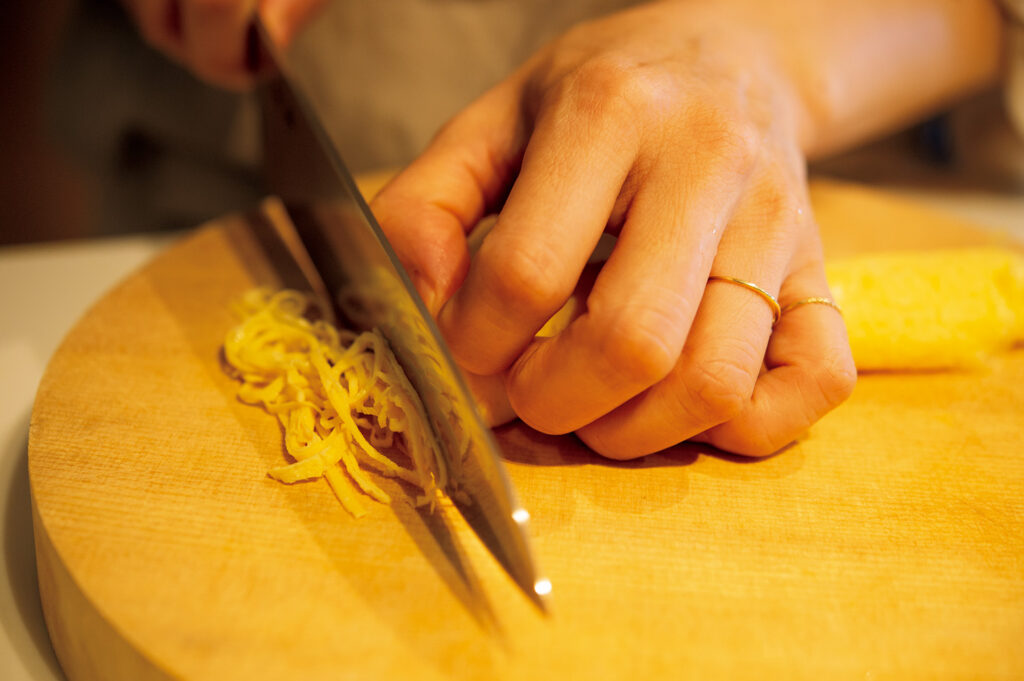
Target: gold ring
(769, 298)
(813, 300)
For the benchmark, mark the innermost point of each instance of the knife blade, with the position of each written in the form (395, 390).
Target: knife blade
(370, 289)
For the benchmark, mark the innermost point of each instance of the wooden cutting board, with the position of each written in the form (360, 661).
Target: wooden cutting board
(887, 544)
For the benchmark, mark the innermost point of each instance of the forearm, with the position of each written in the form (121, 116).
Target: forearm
(861, 68)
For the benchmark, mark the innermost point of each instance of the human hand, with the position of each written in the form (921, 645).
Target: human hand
(213, 38)
(675, 127)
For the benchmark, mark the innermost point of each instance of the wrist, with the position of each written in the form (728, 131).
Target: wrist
(862, 70)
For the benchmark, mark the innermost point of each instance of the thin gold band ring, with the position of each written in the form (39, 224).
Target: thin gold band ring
(768, 298)
(813, 300)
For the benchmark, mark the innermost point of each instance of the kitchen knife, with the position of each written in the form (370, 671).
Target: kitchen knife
(370, 289)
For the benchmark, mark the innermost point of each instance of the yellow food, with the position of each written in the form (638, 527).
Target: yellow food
(341, 397)
(930, 310)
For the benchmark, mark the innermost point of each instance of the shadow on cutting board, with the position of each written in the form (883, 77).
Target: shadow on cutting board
(656, 481)
(289, 268)
(255, 245)
(524, 445)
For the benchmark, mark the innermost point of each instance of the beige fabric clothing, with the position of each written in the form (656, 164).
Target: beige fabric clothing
(1014, 88)
(386, 74)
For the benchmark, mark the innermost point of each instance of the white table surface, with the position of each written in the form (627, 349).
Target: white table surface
(46, 288)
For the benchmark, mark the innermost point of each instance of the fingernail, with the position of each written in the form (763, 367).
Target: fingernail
(427, 293)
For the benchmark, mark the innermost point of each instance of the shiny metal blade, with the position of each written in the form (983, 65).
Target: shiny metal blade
(371, 289)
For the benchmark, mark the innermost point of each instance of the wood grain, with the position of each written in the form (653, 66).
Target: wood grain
(888, 543)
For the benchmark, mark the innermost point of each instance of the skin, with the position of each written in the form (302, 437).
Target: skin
(683, 128)
(211, 37)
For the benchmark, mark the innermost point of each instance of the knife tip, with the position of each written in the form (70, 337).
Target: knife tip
(541, 594)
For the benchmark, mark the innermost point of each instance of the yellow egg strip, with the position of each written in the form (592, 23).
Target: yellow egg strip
(340, 397)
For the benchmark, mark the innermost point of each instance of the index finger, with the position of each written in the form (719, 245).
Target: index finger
(427, 209)
(573, 169)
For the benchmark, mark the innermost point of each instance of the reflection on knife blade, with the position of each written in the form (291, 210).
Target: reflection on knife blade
(370, 289)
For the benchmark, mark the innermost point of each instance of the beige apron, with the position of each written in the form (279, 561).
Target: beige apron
(389, 73)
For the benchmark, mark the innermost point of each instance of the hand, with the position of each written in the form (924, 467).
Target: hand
(675, 127)
(212, 37)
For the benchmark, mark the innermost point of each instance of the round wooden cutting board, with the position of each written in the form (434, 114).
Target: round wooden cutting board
(887, 543)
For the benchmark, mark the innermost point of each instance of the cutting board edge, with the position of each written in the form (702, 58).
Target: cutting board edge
(88, 646)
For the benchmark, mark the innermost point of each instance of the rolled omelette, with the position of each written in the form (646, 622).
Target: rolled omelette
(923, 310)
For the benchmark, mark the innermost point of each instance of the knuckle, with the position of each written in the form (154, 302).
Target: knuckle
(642, 344)
(615, 91)
(717, 390)
(835, 378)
(777, 203)
(741, 142)
(526, 276)
(602, 78)
(732, 137)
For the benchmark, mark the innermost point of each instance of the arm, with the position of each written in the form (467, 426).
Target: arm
(862, 69)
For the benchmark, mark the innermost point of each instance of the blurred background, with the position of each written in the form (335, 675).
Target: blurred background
(100, 134)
